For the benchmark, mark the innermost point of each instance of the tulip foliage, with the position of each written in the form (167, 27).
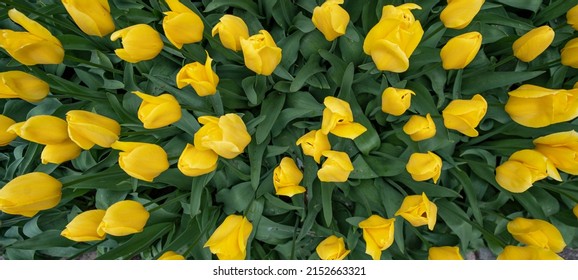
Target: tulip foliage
(288, 129)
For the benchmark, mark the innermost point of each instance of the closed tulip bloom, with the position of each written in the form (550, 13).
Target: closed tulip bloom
(87, 129)
(158, 111)
(181, 25)
(286, 178)
(59, 153)
(140, 42)
(338, 119)
(444, 253)
(18, 84)
(572, 17)
(261, 53)
(201, 77)
(123, 218)
(459, 13)
(35, 46)
(83, 227)
(336, 167)
(533, 43)
(459, 51)
(195, 162)
(395, 101)
(569, 53)
(424, 166)
(30, 193)
(5, 136)
(42, 129)
(523, 168)
(314, 143)
(331, 19)
(143, 161)
(465, 115)
(92, 17)
(332, 248)
(575, 211)
(537, 233)
(420, 128)
(227, 135)
(229, 241)
(231, 30)
(562, 149)
(527, 253)
(418, 211)
(171, 256)
(378, 234)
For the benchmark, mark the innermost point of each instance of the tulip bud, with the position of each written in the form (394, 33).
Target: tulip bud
(465, 115)
(139, 42)
(459, 51)
(158, 111)
(336, 167)
(5, 136)
(572, 17)
(231, 30)
(59, 153)
(87, 129)
(533, 43)
(332, 248)
(444, 253)
(260, 53)
(181, 25)
(201, 77)
(18, 84)
(527, 253)
(195, 162)
(286, 178)
(42, 129)
(569, 53)
(171, 256)
(338, 119)
(424, 166)
(123, 218)
(420, 128)
(227, 135)
(30, 193)
(314, 143)
(575, 211)
(537, 233)
(562, 149)
(459, 13)
(378, 234)
(396, 101)
(522, 169)
(83, 227)
(229, 241)
(418, 211)
(92, 17)
(331, 19)
(143, 161)
(36, 46)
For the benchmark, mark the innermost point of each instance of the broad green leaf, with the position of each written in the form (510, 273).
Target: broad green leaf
(472, 85)
(246, 5)
(137, 243)
(270, 109)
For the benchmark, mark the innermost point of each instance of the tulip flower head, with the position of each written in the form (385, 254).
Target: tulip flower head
(195, 162)
(338, 119)
(396, 101)
(5, 136)
(533, 43)
(527, 253)
(459, 13)
(231, 30)
(201, 77)
(59, 153)
(378, 234)
(123, 218)
(444, 253)
(465, 115)
(140, 42)
(87, 129)
(572, 17)
(261, 53)
(18, 84)
(171, 256)
(29, 194)
(418, 210)
(523, 168)
(561, 149)
(424, 166)
(92, 17)
(332, 248)
(314, 143)
(336, 167)
(158, 111)
(569, 53)
(537, 233)
(229, 241)
(42, 129)
(420, 128)
(286, 178)
(459, 51)
(331, 19)
(84, 226)
(181, 25)
(575, 210)
(143, 161)
(227, 135)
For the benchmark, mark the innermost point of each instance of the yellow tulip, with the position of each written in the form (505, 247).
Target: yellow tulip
(195, 162)
(444, 253)
(459, 13)
(314, 143)
(140, 42)
(465, 115)
(143, 161)
(527, 253)
(42, 129)
(30, 193)
(59, 153)
(87, 129)
(378, 235)
(332, 248)
(171, 256)
(396, 101)
(5, 136)
(533, 43)
(286, 178)
(459, 51)
(227, 135)
(92, 17)
(420, 128)
(123, 218)
(231, 30)
(331, 19)
(424, 166)
(537, 233)
(562, 149)
(181, 25)
(394, 38)
(575, 210)
(261, 53)
(523, 168)
(83, 227)
(18, 84)
(158, 111)
(338, 119)
(418, 211)
(572, 17)
(336, 167)
(229, 241)
(569, 53)
(34, 46)
(201, 77)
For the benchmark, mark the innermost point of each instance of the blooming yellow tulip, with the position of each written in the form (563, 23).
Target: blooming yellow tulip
(5, 136)
(30, 193)
(18, 84)
(562, 149)
(286, 178)
(537, 233)
(575, 210)
(83, 227)
(92, 17)
(378, 234)
(123, 218)
(229, 241)
(459, 13)
(527, 253)
(424, 166)
(195, 162)
(465, 115)
(572, 17)
(36, 46)
(181, 25)
(42, 129)
(59, 153)
(231, 30)
(331, 19)
(459, 51)
(143, 161)
(314, 143)
(332, 248)
(395, 101)
(533, 43)
(158, 111)
(338, 119)
(336, 167)
(227, 135)
(261, 53)
(87, 129)
(444, 253)
(420, 128)
(418, 211)
(569, 53)
(171, 256)
(201, 77)
(522, 169)
(139, 42)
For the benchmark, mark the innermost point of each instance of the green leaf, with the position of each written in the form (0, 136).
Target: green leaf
(270, 109)
(309, 69)
(531, 5)
(327, 202)
(247, 5)
(466, 183)
(555, 9)
(73, 42)
(455, 221)
(472, 85)
(45, 240)
(197, 186)
(137, 243)
(256, 152)
(237, 198)
(271, 232)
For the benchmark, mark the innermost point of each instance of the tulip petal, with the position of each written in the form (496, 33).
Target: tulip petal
(389, 56)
